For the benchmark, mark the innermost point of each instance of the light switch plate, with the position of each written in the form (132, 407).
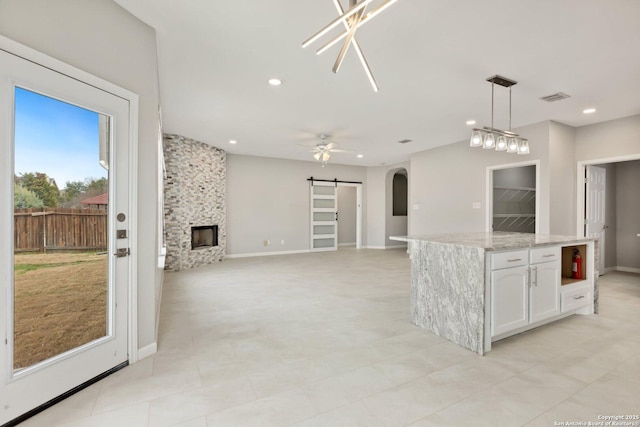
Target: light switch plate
(476, 205)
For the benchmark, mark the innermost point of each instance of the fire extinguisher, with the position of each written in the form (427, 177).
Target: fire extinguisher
(577, 264)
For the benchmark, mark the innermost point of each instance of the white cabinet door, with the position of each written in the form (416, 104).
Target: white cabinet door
(544, 299)
(509, 299)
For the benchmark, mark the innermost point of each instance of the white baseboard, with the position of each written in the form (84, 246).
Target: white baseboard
(147, 351)
(609, 270)
(386, 247)
(628, 269)
(303, 251)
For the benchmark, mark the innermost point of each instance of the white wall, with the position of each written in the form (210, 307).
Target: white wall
(103, 39)
(608, 140)
(445, 181)
(347, 215)
(628, 214)
(268, 199)
(376, 205)
(562, 177)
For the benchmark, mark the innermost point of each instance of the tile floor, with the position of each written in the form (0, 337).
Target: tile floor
(324, 340)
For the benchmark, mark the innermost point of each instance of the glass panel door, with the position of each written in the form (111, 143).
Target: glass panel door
(64, 177)
(324, 212)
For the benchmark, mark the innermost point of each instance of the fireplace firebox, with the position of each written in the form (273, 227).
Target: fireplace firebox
(204, 236)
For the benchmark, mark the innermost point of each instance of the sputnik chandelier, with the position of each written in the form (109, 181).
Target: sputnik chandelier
(506, 140)
(352, 19)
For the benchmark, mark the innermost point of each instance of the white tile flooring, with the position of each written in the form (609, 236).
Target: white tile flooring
(324, 340)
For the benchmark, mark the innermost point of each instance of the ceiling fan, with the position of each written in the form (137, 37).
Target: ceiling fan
(323, 150)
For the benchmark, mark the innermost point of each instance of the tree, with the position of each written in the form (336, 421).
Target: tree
(24, 198)
(72, 189)
(44, 187)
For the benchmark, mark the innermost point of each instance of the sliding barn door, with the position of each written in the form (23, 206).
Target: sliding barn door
(324, 216)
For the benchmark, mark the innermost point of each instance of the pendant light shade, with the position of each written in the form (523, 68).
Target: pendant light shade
(512, 146)
(326, 156)
(501, 143)
(317, 156)
(476, 139)
(489, 141)
(524, 147)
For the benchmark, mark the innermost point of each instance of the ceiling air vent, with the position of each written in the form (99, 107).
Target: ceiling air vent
(404, 141)
(559, 96)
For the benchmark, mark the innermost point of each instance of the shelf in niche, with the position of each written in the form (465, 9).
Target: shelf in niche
(569, 281)
(501, 187)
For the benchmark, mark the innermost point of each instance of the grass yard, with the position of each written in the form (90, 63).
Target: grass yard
(60, 303)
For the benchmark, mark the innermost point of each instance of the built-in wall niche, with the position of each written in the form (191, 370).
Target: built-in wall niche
(567, 264)
(514, 199)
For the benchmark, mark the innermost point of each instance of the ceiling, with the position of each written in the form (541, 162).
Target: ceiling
(430, 58)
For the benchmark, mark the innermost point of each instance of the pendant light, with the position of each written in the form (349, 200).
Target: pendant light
(498, 139)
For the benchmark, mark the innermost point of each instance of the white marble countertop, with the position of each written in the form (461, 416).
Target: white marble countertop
(497, 241)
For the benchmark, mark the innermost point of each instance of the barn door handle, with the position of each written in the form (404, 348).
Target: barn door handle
(336, 216)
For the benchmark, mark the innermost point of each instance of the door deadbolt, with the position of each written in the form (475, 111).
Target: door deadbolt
(121, 217)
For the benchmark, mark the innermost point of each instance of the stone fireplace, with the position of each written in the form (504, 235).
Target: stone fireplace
(194, 203)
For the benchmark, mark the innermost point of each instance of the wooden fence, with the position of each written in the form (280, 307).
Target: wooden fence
(59, 229)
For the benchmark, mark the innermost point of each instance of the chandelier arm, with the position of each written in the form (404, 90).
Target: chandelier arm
(353, 10)
(366, 19)
(347, 42)
(356, 47)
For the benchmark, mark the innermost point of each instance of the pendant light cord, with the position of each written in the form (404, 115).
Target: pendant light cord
(492, 84)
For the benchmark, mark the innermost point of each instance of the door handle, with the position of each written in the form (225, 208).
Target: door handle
(535, 281)
(604, 227)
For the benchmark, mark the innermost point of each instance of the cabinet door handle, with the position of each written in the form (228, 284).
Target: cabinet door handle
(529, 276)
(535, 280)
(579, 297)
(548, 255)
(514, 260)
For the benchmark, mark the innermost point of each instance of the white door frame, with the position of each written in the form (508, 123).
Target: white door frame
(358, 187)
(489, 190)
(53, 64)
(581, 168)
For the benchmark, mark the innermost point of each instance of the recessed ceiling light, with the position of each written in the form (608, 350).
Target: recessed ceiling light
(275, 82)
(360, 156)
(589, 111)
(233, 141)
(471, 122)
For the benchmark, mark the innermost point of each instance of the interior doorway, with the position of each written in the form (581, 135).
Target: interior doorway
(396, 206)
(619, 229)
(347, 216)
(512, 197)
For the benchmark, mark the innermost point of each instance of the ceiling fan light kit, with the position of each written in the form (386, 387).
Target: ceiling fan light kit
(352, 19)
(506, 140)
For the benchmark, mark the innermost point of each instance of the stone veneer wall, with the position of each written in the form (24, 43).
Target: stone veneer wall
(194, 195)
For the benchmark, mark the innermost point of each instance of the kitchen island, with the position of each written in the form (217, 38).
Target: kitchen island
(475, 288)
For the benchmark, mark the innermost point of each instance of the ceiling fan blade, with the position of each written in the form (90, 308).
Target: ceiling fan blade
(330, 146)
(341, 151)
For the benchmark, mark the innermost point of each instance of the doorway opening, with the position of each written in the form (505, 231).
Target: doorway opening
(512, 197)
(613, 219)
(396, 211)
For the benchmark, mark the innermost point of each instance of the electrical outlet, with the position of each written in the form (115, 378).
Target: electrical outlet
(267, 243)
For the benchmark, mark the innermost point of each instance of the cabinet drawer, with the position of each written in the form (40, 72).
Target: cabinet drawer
(575, 298)
(550, 253)
(509, 259)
